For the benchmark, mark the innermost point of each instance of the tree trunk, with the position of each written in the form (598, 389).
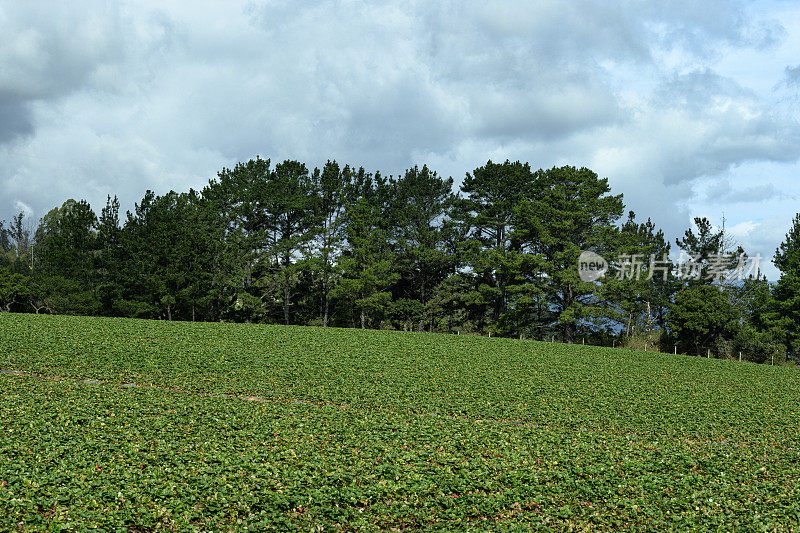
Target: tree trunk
(169, 312)
(286, 297)
(363, 319)
(326, 309)
(286, 288)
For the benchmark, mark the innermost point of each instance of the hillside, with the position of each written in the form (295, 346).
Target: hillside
(159, 425)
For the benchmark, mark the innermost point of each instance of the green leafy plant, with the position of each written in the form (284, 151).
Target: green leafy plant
(121, 424)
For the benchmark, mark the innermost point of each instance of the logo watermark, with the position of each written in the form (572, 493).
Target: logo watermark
(591, 266)
(717, 267)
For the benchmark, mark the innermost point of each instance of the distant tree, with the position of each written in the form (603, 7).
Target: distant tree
(570, 211)
(165, 245)
(759, 337)
(264, 231)
(110, 256)
(335, 193)
(453, 304)
(786, 315)
(286, 207)
(420, 201)
(701, 316)
(14, 289)
(369, 259)
(231, 202)
(66, 264)
(709, 251)
(20, 234)
(149, 282)
(642, 290)
(16, 245)
(5, 238)
(486, 212)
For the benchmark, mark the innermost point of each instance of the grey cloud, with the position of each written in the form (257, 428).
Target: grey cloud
(793, 76)
(50, 50)
(15, 118)
(708, 123)
(722, 192)
(47, 52)
(700, 27)
(555, 30)
(544, 110)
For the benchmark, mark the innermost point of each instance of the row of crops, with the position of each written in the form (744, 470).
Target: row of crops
(139, 426)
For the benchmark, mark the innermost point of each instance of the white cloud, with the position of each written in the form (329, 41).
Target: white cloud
(21, 207)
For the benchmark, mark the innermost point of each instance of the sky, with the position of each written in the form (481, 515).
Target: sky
(688, 108)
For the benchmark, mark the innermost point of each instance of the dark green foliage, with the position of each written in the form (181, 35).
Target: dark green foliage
(165, 257)
(701, 316)
(14, 289)
(368, 262)
(335, 192)
(66, 268)
(486, 212)
(707, 248)
(5, 239)
(420, 201)
(569, 211)
(639, 305)
(786, 315)
(285, 207)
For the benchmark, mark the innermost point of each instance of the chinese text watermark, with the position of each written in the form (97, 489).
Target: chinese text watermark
(716, 267)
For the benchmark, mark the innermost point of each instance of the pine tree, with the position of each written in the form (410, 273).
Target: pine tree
(786, 316)
(420, 201)
(369, 259)
(569, 211)
(492, 193)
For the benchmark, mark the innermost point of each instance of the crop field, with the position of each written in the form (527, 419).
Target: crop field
(136, 425)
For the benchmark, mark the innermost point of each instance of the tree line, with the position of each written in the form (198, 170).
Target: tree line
(340, 246)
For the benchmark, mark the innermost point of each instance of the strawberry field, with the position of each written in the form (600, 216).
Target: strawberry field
(136, 425)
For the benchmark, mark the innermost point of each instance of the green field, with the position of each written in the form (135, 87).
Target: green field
(231, 426)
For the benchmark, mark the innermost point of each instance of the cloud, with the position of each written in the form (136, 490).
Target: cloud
(99, 99)
(723, 192)
(793, 76)
(48, 51)
(712, 123)
(15, 119)
(23, 208)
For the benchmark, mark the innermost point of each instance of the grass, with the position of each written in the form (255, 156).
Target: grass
(233, 426)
